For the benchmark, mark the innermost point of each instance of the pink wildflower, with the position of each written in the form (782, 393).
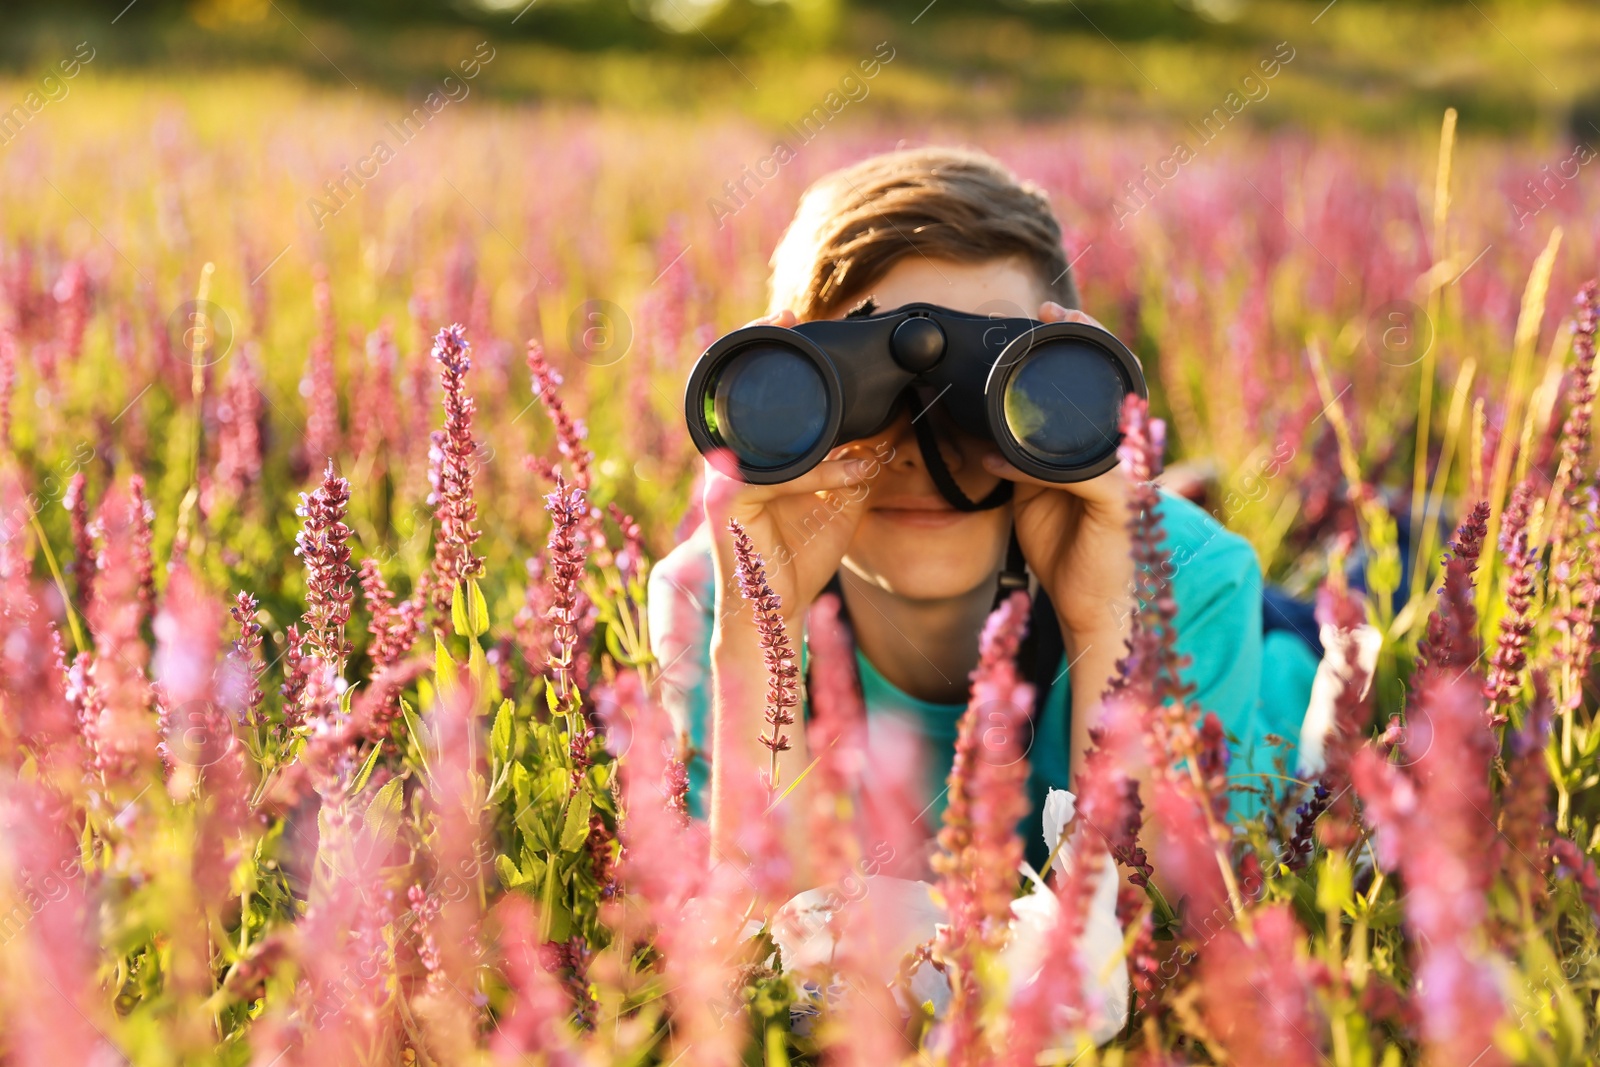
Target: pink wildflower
(323, 544)
(1153, 665)
(1186, 856)
(238, 434)
(1190, 761)
(836, 732)
(72, 293)
(87, 707)
(456, 807)
(1107, 818)
(8, 376)
(125, 734)
(1575, 432)
(1431, 823)
(376, 419)
(1516, 625)
(451, 466)
(565, 558)
(1259, 997)
(57, 1013)
(631, 560)
(570, 432)
(1352, 717)
(1524, 817)
(535, 1020)
(980, 851)
(782, 669)
(188, 635)
(298, 668)
(343, 943)
(39, 715)
(1452, 640)
(141, 531)
(533, 636)
(244, 669)
(1569, 862)
(392, 629)
(77, 504)
(320, 386)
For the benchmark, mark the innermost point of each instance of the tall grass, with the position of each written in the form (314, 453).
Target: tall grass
(251, 816)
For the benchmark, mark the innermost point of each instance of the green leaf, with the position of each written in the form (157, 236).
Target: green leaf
(478, 668)
(547, 903)
(509, 875)
(777, 1045)
(501, 787)
(414, 730)
(521, 785)
(533, 866)
(382, 818)
(500, 733)
(444, 668)
(360, 781)
(1165, 921)
(458, 612)
(575, 829)
(550, 696)
(1335, 884)
(477, 609)
(614, 646)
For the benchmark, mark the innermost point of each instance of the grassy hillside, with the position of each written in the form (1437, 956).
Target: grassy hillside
(1514, 68)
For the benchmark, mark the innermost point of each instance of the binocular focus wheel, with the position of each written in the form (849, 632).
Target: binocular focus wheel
(917, 344)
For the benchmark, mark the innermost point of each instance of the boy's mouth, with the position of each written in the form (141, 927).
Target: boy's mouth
(926, 512)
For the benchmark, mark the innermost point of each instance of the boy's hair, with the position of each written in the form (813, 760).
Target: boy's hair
(853, 225)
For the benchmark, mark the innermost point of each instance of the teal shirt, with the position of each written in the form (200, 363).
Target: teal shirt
(1257, 687)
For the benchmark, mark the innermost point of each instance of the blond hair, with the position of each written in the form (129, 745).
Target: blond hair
(854, 224)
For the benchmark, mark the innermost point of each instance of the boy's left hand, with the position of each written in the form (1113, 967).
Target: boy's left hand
(1075, 535)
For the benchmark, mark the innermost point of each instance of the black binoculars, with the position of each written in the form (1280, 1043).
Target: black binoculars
(1049, 395)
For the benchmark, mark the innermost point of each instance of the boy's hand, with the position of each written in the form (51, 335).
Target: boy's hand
(802, 536)
(801, 527)
(1075, 538)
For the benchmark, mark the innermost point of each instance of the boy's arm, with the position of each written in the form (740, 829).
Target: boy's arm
(1216, 582)
(713, 685)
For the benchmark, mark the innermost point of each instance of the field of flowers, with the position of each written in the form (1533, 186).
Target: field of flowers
(331, 481)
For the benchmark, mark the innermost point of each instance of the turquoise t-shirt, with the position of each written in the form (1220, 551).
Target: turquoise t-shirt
(1258, 687)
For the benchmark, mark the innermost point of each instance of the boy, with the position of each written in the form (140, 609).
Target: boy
(916, 577)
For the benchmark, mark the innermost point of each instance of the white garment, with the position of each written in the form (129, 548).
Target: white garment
(898, 915)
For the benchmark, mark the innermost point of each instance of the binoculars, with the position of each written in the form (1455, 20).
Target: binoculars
(1049, 395)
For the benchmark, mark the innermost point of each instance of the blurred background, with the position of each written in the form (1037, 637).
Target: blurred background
(604, 176)
(1516, 67)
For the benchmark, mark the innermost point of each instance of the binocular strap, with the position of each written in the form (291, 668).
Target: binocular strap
(1014, 575)
(933, 459)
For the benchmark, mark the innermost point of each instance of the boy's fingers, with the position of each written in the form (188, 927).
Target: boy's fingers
(829, 474)
(723, 487)
(1050, 311)
(1101, 488)
(784, 318)
(997, 465)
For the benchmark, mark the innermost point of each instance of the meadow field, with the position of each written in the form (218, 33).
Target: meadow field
(341, 429)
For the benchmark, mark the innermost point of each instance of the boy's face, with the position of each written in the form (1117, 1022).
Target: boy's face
(911, 543)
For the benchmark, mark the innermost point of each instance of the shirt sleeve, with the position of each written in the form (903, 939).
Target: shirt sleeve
(1216, 580)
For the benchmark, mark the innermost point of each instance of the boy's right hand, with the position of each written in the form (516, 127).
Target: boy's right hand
(802, 528)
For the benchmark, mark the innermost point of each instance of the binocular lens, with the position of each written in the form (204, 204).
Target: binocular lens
(769, 406)
(1062, 403)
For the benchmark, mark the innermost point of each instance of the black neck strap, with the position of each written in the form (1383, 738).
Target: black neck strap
(933, 459)
(1014, 575)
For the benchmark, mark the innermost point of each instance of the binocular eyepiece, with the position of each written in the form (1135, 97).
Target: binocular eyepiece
(1049, 395)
